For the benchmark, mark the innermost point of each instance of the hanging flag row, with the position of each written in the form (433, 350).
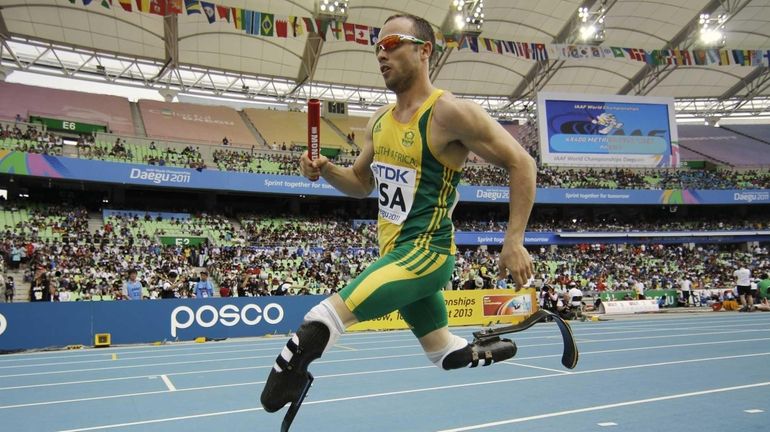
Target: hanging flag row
(283, 26)
(677, 57)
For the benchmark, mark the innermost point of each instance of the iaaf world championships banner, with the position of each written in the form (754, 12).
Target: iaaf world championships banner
(55, 167)
(593, 130)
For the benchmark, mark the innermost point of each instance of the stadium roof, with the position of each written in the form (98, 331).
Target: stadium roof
(187, 53)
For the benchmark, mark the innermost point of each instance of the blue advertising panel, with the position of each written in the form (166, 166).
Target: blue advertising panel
(607, 130)
(490, 238)
(19, 163)
(40, 325)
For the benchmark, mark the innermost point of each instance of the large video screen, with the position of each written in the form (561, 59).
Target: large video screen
(607, 130)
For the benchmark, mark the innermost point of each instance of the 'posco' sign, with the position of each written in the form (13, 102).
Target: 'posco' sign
(229, 315)
(50, 324)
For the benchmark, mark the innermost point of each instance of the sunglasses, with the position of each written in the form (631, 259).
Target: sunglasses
(393, 41)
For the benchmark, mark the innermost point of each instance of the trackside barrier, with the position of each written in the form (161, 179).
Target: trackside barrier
(629, 307)
(472, 307)
(41, 325)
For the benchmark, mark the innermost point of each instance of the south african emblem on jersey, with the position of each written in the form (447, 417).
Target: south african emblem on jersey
(408, 139)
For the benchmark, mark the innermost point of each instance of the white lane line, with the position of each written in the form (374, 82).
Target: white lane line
(168, 383)
(608, 406)
(419, 390)
(606, 424)
(345, 347)
(378, 348)
(440, 388)
(537, 367)
(753, 411)
(365, 358)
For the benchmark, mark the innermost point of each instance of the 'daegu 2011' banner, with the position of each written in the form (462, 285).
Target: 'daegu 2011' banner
(607, 130)
(470, 307)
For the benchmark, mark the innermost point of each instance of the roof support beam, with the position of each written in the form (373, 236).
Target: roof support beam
(650, 76)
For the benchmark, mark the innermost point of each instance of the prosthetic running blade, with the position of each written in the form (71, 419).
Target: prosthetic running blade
(294, 407)
(570, 355)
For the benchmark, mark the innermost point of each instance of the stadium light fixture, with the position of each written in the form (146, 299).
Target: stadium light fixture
(332, 9)
(712, 30)
(468, 15)
(591, 24)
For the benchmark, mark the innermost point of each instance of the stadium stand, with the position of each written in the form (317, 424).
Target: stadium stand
(194, 123)
(724, 145)
(111, 111)
(283, 130)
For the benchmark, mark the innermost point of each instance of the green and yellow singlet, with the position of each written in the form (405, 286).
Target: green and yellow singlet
(417, 192)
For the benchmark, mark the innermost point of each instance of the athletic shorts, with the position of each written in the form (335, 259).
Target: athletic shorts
(408, 279)
(744, 289)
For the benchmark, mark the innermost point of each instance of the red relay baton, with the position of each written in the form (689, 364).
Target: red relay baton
(313, 129)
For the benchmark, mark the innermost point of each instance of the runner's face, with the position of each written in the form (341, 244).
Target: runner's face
(399, 62)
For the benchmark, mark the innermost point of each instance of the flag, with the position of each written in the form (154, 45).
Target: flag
(223, 12)
(192, 6)
(635, 54)
(141, 5)
(440, 41)
(742, 57)
(323, 28)
(699, 56)
(451, 41)
(724, 58)
(256, 22)
(72, 1)
(596, 52)
(488, 45)
(506, 47)
(336, 28)
(107, 4)
(683, 57)
(617, 52)
(539, 53)
(756, 57)
(296, 26)
(362, 34)
(712, 56)
(350, 32)
(266, 25)
(158, 7)
(125, 4)
(282, 26)
(85, 2)
(311, 25)
(374, 35)
(174, 7)
(209, 11)
(464, 44)
(237, 18)
(248, 23)
(473, 42)
(521, 49)
(766, 58)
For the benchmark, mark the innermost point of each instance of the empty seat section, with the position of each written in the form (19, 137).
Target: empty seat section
(111, 111)
(192, 123)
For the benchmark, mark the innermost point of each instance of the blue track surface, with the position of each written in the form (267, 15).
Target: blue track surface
(680, 372)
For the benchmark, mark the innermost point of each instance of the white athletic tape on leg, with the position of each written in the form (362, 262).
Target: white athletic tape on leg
(454, 344)
(324, 312)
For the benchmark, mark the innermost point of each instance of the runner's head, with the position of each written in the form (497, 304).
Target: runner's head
(403, 50)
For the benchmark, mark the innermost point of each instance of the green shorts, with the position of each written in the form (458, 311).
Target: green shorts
(408, 279)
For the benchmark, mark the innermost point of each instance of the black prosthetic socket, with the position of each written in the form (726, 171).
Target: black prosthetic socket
(287, 385)
(488, 352)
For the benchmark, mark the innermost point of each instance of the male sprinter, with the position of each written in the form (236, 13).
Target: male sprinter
(413, 152)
